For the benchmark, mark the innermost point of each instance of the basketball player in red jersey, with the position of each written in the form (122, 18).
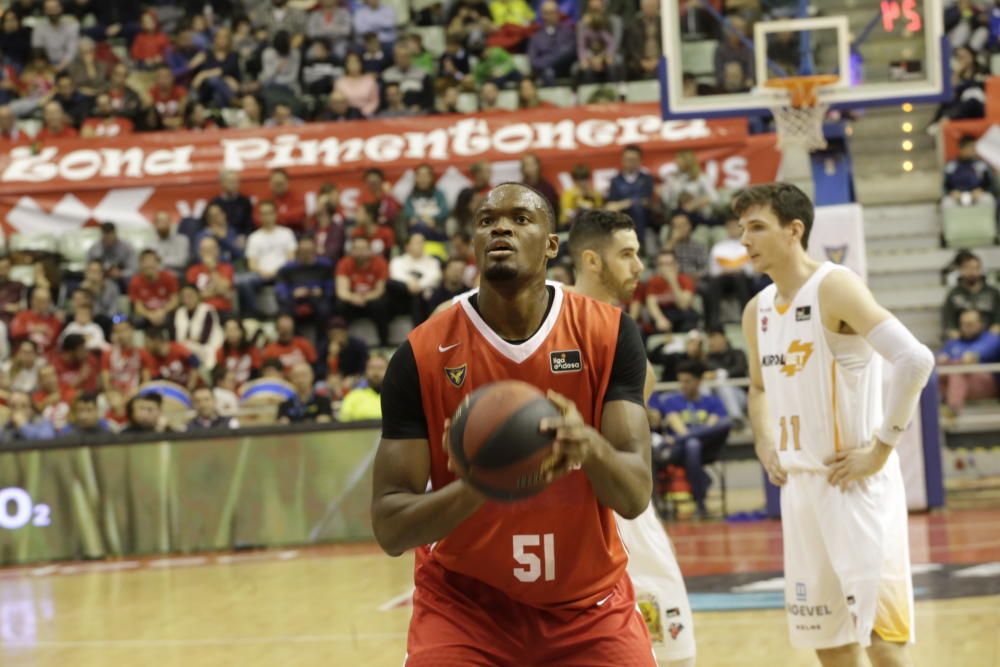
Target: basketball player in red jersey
(541, 581)
(605, 251)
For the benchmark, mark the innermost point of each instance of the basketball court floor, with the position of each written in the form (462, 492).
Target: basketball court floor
(348, 605)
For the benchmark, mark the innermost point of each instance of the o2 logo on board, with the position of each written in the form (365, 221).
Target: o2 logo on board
(18, 510)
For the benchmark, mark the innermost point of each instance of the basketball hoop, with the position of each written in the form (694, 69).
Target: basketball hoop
(800, 121)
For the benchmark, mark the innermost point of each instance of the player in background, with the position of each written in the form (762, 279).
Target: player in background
(815, 339)
(542, 581)
(605, 251)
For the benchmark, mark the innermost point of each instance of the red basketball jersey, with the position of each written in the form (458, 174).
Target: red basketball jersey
(559, 548)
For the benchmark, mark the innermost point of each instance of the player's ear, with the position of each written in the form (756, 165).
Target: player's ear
(796, 229)
(590, 258)
(552, 249)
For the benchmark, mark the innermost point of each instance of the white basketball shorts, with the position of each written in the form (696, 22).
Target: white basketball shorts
(847, 559)
(659, 586)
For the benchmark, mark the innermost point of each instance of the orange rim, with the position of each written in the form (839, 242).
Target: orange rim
(802, 89)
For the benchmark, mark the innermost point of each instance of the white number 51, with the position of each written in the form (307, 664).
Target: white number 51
(532, 569)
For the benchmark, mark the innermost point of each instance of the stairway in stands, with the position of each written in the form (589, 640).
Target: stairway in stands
(902, 219)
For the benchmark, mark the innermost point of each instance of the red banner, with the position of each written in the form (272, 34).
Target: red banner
(62, 185)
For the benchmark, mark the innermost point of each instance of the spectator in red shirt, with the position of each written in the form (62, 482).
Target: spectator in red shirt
(51, 399)
(11, 292)
(166, 360)
(56, 124)
(361, 279)
(291, 206)
(378, 198)
(149, 46)
(670, 296)
(237, 354)
(153, 291)
(121, 366)
(75, 366)
(381, 237)
(212, 278)
(102, 121)
(168, 98)
(39, 324)
(289, 349)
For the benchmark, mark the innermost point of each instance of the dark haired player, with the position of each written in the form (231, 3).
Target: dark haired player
(605, 251)
(541, 581)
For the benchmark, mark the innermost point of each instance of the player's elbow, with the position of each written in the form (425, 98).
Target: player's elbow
(916, 365)
(386, 535)
(635, 506)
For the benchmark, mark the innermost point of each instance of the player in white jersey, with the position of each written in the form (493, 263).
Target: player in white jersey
(605, 251)
(816, 339)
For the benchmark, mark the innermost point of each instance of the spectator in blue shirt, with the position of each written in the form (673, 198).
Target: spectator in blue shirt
(85, 419)
(552, 49)
(632, 191)
(694, 426)
(304, 287)
(375, 17)
(975, 345)
(24, 422)
(968, 180)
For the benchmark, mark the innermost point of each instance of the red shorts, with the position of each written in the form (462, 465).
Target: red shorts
(461, 622)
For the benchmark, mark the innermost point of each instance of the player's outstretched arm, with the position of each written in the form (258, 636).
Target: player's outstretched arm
(760, 419)
(846, 300)
(403, 515)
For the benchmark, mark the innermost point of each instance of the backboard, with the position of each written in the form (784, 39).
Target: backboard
(882, 51)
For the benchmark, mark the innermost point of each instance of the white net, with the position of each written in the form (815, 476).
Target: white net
(800, 127)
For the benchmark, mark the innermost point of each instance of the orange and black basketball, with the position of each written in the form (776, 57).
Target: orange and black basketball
(495, 441)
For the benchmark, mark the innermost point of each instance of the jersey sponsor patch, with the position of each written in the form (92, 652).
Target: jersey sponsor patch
(565, 361)
(456, 376)
(803, 313)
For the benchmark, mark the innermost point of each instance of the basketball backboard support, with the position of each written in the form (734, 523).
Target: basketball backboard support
(883, 52)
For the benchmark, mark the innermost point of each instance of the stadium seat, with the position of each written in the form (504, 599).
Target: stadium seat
(522, 64)
(969, 226)
(642, 91)
(433, 38)
(139, 238)
(995, 64)
(402, 8)
(699, 57)
(73, 246)
(468, 103)
(33, 243)
(507, 99)
(23, 273)
(561, 96)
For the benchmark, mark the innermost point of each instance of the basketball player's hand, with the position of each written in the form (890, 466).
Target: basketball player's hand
(574, 442)
(856, 464)
(470, 493)
(775, 473)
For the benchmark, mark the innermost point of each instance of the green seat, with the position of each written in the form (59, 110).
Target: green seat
(140, 237)
(74, 245)
(969, 226)
(33, 243)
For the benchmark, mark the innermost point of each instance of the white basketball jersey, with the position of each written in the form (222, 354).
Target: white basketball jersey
(823, 388)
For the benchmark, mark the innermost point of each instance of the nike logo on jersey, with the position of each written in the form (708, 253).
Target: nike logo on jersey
(443, 348)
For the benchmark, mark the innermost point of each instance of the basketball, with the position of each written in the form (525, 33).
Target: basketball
(495, 442)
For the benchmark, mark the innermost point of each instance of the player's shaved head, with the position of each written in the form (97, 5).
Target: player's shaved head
(531, 193)
(594, 229)
(514, 236)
